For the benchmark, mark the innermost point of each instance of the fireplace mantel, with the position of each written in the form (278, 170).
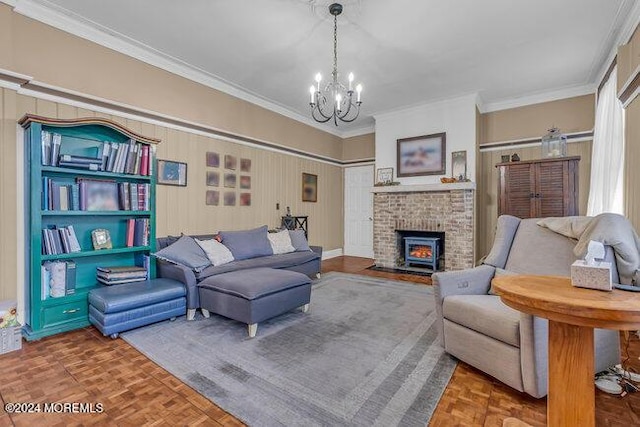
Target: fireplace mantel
(421, 188)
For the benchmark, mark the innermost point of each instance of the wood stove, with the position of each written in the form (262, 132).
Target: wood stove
(422, 250)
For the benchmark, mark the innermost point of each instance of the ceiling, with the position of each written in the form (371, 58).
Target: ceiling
(405, 52)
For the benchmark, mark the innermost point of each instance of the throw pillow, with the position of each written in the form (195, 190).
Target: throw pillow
(185, 251)
(217, 253)
(281, 242)
(298, 240)
(247, 244)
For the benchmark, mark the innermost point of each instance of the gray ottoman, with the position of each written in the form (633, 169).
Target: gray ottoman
(254, 295)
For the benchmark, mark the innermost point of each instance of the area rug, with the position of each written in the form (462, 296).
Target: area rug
(366, 353)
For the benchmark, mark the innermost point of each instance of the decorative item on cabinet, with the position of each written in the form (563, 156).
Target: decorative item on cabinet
(515, 157)
(505, 158)
(554, 144)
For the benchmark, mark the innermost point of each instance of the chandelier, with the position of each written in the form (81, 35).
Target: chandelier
(335, 101)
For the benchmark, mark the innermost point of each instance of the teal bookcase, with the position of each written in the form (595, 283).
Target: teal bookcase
(82, 139)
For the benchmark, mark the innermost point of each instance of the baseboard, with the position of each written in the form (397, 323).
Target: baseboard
(332, 253)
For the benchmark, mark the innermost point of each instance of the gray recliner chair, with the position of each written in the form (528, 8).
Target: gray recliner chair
(476, 327)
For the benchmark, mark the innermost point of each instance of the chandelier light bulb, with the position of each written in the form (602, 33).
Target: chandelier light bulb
(338, 101)
(359, 91)
(318, 80)
(312, 91)
(350, 80)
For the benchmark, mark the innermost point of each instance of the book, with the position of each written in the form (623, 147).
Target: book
(134, 196)
(45, 140)
(119, 282)
(70, 277)
(121, 276)
(144, 261)
(56, 141)
(73, 239)
(58, 283)
(106, 149)
(45, 279)
(87, 166)
(113, 153)
(136, 169)
(55, 196)
(144, 161)
(70, 158)
(120, 269)
(130, 229)
(75, 197)
(64, 198)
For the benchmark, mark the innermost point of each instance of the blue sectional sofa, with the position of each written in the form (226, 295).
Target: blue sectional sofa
(306, 260)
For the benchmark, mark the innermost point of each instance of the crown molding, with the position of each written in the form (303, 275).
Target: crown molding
(629, 26)
(360, 131)
(539, 98)
(52, 15)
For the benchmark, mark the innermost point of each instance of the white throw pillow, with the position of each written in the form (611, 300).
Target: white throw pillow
(217, 253)
(281, 242)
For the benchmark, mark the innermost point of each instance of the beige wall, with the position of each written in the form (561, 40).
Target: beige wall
(275, 178)
(571, 115)
(359, 147)
(9, 234)
(631, 170)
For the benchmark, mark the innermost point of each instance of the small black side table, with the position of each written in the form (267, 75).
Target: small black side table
(295, 222)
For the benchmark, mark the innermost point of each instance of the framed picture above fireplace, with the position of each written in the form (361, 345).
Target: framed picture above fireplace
(422, 155)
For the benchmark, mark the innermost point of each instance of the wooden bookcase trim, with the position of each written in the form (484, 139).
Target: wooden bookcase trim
(32, 118)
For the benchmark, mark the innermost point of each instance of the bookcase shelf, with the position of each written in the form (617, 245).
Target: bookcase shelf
(87, 138)
(101, 252)
(54, 170)
(95, 213)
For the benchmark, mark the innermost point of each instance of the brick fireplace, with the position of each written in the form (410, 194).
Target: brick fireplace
(434, 208)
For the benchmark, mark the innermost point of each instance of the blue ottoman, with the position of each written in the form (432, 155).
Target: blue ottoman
(253, 295)
(117, 308)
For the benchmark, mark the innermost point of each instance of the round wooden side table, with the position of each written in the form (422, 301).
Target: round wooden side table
(573, 313)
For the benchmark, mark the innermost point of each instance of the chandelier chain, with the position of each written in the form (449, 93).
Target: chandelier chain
(335, 48)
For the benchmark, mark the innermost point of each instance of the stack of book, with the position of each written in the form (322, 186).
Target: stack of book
(130, 158)
(119, 157)
(57, 196)
(59, 240)
(134, 197)
(58, 279)
(119, 275)
(50, 148)
(137, 232)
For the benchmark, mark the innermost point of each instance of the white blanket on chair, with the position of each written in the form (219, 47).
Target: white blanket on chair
(610, 229)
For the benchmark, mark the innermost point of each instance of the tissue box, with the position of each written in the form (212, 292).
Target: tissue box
(10, 339)
(596, 276)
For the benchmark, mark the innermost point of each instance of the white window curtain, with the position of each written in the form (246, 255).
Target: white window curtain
(607, 154)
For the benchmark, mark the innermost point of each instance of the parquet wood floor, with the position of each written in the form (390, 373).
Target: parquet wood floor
(83, 366)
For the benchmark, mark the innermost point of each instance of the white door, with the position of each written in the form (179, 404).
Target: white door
(358, 211)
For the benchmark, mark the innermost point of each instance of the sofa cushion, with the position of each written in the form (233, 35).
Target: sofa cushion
(485, 314)
(217, 253)
(185, 251)
(254, 283)
(245, 244)
(280, 242)
(272, 261)
(538, 250)
(299, 240)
